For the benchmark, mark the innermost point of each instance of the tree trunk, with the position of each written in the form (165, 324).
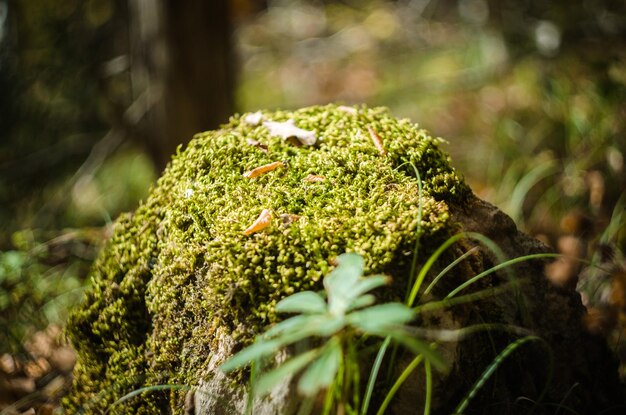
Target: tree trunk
(182, 71)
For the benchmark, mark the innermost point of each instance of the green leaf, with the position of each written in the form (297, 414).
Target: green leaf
(307, 325)
(339, 284)
(314, 325)
(321, 373)
(269, 380)
(323, 325)
(306, 302)
(364, 285)
(419, 348)
(288, 325)
(362, 301)
(256, 351)
(379, 317)
(350, 262)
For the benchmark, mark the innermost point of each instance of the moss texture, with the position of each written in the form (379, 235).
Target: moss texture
(181, 266)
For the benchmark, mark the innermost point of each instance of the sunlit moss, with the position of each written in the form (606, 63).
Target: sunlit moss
(181, 266)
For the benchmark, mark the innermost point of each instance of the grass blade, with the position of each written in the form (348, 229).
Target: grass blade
(403, 376)
(467, 298)
(429, 387)
(448, 268)
(491, 270)
(374, 375)
(523, 186)
(420, 208)
(139, 391)
(428, 265)
(492, 368)
(420, 348)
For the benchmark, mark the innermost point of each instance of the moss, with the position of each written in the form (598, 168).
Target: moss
(180, 266)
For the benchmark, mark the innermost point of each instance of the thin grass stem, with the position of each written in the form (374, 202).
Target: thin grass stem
(403, 376)
(431, 260)
(467, 298)
(428, 373)
(448, 268)
(494, 366)
(418, 227)
(498, 267)
(139, 391)
(374, 374)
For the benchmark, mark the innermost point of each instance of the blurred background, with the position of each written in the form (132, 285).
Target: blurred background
(95, 96)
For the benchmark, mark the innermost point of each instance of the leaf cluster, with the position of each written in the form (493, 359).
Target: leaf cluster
(348, 310)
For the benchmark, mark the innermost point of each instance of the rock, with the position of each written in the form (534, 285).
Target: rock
(182, 284)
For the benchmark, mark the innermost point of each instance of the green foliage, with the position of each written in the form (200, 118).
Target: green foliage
(39, 283)
(347, 315)
(61, 102)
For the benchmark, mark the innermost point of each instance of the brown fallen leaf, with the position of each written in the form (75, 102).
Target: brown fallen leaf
(263, 169)
(378, 142)
(260, 223)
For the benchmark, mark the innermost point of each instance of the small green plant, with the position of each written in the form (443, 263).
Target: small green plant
(344, 317)
(348, 315)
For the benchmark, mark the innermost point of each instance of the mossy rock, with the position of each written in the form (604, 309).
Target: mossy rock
(181, 278)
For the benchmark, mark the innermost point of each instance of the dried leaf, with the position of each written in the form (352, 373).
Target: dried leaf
(260, 223)
(253, 118)
(312, 178)
(263, 169)
(378, 142)
(288, 129)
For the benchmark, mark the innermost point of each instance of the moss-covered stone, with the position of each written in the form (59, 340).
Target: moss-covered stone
(180, 266)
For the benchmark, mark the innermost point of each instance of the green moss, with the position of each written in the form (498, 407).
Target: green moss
(180, 266)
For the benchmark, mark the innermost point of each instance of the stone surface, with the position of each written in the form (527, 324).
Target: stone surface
(584, 375)
(180, 286)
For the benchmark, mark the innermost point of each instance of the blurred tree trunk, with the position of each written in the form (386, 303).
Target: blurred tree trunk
(182, 71)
